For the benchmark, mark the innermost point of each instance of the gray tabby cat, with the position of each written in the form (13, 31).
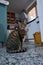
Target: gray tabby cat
(15, 38)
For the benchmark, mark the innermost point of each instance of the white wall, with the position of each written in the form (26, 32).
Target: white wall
(32, 28)
(40, 14)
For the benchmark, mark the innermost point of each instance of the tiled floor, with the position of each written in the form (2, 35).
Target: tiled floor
(33, 56)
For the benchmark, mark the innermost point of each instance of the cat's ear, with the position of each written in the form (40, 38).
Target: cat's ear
(19, 23)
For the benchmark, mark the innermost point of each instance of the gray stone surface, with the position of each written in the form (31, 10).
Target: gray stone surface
(33, 56)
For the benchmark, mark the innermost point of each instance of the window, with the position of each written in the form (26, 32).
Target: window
(32, 12)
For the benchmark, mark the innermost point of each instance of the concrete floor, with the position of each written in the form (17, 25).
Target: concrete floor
(33, 56)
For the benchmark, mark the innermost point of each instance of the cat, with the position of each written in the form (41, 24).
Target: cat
(15, 38)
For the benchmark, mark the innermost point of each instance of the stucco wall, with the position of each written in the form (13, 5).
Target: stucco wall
(32, 28)
(40, 14)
